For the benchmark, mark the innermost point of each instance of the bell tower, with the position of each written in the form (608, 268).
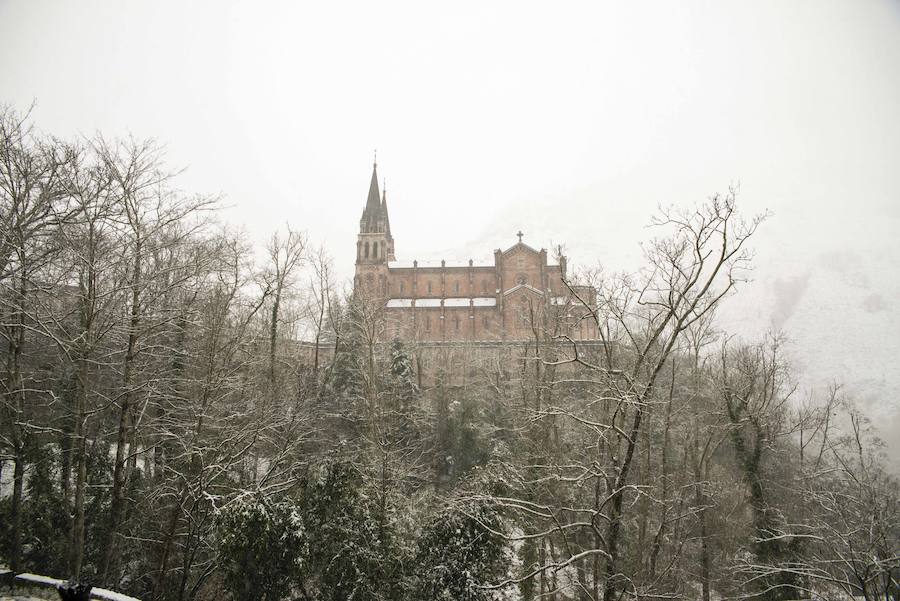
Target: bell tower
(374, 243)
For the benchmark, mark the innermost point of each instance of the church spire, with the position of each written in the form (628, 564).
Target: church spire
(374, 245)
(373, 203)
(384, 211)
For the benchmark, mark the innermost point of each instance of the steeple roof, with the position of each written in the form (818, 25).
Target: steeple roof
(384, 211)
(374, 216)
(373, 203)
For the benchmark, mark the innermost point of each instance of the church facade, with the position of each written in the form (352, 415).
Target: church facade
(519, 296)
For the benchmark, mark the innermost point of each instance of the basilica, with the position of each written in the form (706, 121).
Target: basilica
(519, 296)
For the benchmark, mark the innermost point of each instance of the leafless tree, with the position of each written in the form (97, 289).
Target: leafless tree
(321, 307)
(643, 320)
(32, 208)
(150, 216)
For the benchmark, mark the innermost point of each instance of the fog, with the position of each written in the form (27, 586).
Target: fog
(572, 124)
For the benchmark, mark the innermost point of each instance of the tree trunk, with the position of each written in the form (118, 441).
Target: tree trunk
(76, 551)
(120, 471)
(15, 555)
(704, 549)
(15, 390)
(167, 548)
(656, 547)
(614, 530)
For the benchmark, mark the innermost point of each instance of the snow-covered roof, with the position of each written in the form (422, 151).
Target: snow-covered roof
(399, 302)
(484, 302)
(436, 264)
(456, 302)
(405, 303)
(400, 264)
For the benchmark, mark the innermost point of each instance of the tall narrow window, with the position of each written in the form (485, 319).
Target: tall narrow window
(427, 323)
(456, 323)
(367, 250)
(375, 250)
(429, 287)
(401, 287)
(456, 288)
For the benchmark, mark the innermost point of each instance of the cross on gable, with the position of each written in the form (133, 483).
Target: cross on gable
(520, 234)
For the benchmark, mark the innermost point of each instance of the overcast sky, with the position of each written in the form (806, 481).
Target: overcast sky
(569, 121)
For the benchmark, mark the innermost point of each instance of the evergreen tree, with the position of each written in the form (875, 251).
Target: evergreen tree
(263, 548)
(404, 377)
(352, 556)
(458, 555)
(344, 378)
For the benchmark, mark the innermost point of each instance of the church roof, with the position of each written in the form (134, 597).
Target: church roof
(523, 287)
(521, 244)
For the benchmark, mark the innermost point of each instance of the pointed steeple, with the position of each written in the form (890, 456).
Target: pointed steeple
(384, 211)
(374, 245)
(373, 203)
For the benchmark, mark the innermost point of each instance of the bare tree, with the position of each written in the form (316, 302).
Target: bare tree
(285, 257)
(92, 247)
(32, 207)
(643, 320)
(208, 424)
(149, 217)
(321, 303)
(755, 393)
(840, 533)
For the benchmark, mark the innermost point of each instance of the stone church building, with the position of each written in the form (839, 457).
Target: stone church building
(519, 296)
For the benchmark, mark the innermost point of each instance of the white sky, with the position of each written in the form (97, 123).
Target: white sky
(569, 121)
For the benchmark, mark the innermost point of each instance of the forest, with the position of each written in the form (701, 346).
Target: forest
(184, 416)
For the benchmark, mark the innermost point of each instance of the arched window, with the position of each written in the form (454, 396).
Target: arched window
(427, 323)
(367, 250)
(456, 288)
(375, 250)
(429, 287)
(383, 255)
(456, 322)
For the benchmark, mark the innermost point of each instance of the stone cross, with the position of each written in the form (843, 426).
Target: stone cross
(520, 234)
